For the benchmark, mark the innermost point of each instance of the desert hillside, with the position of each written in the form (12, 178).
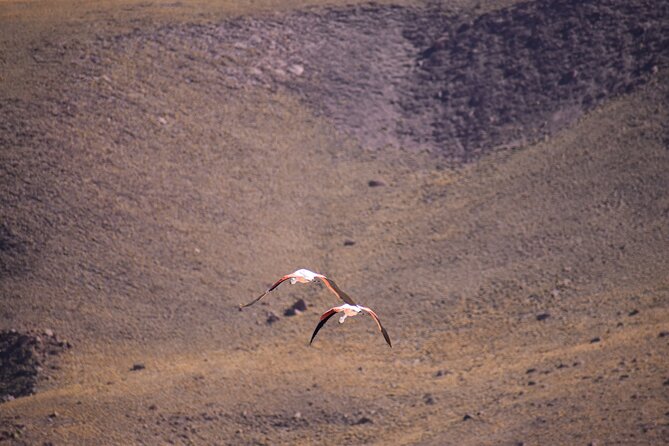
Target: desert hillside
(490, 177)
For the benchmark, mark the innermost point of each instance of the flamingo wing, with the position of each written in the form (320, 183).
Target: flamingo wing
(378, 322)
(276, 284)
(324, 318)
(336, 290)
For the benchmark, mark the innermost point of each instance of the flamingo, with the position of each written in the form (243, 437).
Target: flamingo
(305, 276)
(349, 310)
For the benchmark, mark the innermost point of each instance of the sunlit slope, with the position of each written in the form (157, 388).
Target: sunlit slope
(145, 197)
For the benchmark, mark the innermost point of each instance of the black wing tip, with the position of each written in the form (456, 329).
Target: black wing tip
(320, 325)
(386, 337)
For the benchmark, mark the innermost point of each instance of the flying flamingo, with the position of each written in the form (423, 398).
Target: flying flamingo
(349, 310)
(305, 276)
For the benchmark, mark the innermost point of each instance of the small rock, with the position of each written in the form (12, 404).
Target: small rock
(467, 417)
(532, 370)
(272, 317)
(349, 242)
(564, 283)
(663, 334)
(364, 420)
(595, 340)
(296, 69)
(376, 183)
(429, 399)
(162, 120)
(543, 316)
(48, 332)
(440, 373)
(297, 416)
(153, 407)
(531, 383)
(633, 312)
(137, 366)
(53, 414)
(666, 382)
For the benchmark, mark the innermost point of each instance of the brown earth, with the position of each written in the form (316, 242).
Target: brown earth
(163, 162)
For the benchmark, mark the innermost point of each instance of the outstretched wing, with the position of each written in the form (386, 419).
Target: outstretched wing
(276, 284)
(324, 318)
(378, 322)
(335, 289)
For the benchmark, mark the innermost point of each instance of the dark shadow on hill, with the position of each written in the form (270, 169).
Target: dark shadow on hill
(517, 74)
(423, 79)
(417, 78)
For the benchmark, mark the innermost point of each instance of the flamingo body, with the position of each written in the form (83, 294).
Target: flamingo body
(305, 276)
(350, 311)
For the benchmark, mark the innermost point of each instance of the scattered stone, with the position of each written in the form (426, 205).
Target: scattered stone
(296, 69)
(663, 334)
(137, 366)
(53, 414)
(48, 332)
(543, 316)
(633, 312)
(595, 340)
(376, 183)
(429, 399)
(531, 383)
(297, 416)
(298, 307)
(272, 317)
(349, 242)
(364, 420)
(440, 373)
(564, 283)
(467, 417)
(532, 370)
(666, 382)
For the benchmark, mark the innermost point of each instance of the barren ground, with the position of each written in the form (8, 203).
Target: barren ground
(162, 162)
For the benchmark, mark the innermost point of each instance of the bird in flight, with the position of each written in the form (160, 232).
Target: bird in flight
(305, 276)
(349, 310)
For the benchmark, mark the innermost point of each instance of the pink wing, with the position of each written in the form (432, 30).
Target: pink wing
(276, 284)
(336, 290)
(378, 322)
(324, 318)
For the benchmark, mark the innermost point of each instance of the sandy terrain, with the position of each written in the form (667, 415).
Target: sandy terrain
(490, 177)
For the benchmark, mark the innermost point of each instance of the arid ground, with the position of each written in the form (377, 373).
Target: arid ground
(490, 176)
